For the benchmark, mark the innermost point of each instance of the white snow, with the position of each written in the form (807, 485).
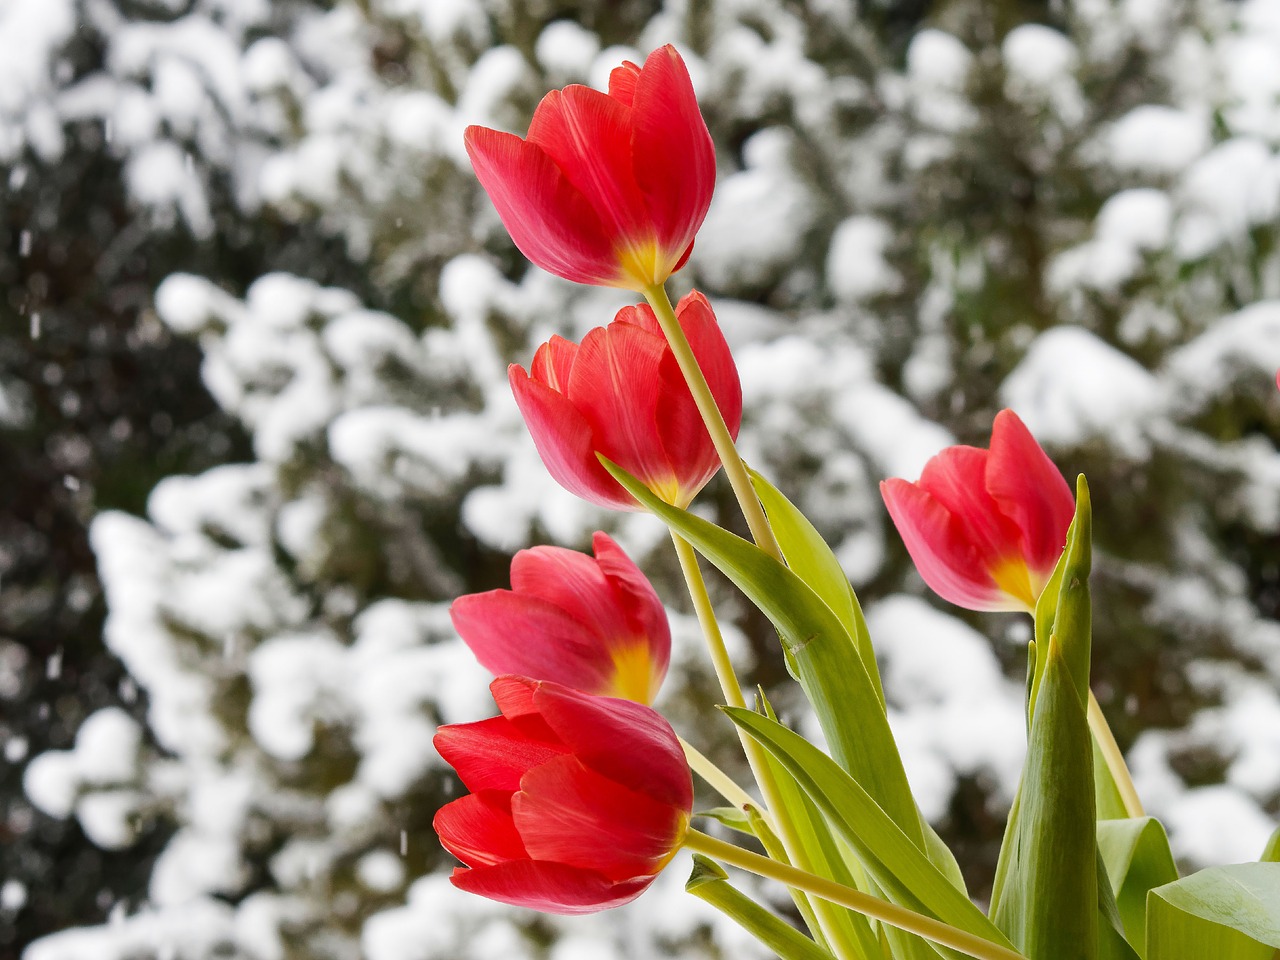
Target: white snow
(856, 265)
(1156, 139)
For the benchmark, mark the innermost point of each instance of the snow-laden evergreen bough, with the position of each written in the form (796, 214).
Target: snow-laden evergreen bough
(580, 797)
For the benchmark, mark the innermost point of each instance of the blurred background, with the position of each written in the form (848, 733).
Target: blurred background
(255, 317)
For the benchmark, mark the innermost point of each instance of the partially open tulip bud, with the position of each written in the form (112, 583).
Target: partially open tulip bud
(577, 802)
(985, 527)
(593, 624)
(607, 189)
(621, 394)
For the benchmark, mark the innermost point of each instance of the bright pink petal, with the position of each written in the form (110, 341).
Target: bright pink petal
(494, 754)
(513, 632)
(675, 160)
(615, 386)
(552, 363)
(566, 813)
(565, 442)
(548, 887)
(1030, 491)
(956, 478)
(575, 584)
(625, 741)
(478, 829)
(550, 220)
(588, 136)
(940, 547)
(707, 341)
(622, 82)
(637, 597)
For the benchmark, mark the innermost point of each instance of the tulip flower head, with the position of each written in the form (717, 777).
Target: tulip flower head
(985, 527)
(592, 624)
(621, 393)
(577, 802)
(606, 189)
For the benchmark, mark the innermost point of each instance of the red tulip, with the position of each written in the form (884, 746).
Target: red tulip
(577, 802)
(607, 189)
(985, 528)
(621, 393)
(594, 625)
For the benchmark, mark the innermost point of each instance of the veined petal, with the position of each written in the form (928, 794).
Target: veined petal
(588, 136)
(494, 754)
(515, 632)
(622, 82)
(625, 741)
(638, 598)
(565, 442)
(575, 584)
(552, 363)
(548, 887)
(549, 219)
(956, 478)
(615, 386)
(941, 549)
(674, 158)
(478, 829)
(566, 813)
(706, 339)
(1030, 491)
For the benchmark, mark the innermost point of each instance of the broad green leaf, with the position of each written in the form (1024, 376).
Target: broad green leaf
(1047, 897)
(1112, 944)
(821, 854)
(1223, 913)
(809, 558)
(1137, 857)
(710, 884)
(825, 657)
(891, 859)
(1106, 795)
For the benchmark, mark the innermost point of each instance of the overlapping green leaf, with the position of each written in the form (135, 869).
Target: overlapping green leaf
(830, 668)
(1223, 913)
(1137, 857)
(899, 867)
(1047, 898)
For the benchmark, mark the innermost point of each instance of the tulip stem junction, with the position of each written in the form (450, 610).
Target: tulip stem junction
(1110, 750)
(734, 468)
(717, 779)
(825, 889)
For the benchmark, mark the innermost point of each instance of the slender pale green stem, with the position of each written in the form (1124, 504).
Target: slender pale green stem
(1110, 750)
(774, 813)
(734, 468)
(874, 907)
(717, 779)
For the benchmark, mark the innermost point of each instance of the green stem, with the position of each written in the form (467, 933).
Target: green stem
(874, 907)
(1110, 750)
(775, 813)
(734, 468)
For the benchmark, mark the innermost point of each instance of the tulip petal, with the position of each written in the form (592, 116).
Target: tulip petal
(622, 82)
(565, 442)
(552, 363)
(568, 813)
(956, 478)
(941, 549)
(627, 742)
(478, 829)
(549, 219)
(575, 584)
(674, 157)
(706, 339)
(1030, 490)
(494, 754)
(615, 386)
(637, 597)
(548, 887)
(517, 632)
(587, 134)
